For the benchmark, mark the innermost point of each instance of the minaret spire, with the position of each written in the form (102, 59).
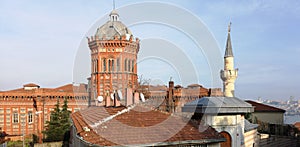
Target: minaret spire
(229, 74)
(228, 51)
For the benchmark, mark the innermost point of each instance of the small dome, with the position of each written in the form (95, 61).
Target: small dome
(113, 28)
(113, 12)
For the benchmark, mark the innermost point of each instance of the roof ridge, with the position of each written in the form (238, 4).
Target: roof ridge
(100, 122)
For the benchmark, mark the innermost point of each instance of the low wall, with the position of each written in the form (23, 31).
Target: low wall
(49, 144)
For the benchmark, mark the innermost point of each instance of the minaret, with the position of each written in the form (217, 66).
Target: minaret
(229, 74)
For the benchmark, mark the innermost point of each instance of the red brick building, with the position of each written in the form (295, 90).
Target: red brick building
(18, 115)
(113, 59)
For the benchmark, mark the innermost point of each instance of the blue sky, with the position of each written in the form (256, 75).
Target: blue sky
(39, 41)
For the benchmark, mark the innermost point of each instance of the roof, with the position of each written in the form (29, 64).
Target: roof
(217, 105)
(228, 51)
(31, 85)
(297, 125)
(113, 28)
(72, 88)
(259, 107)
(139, 126)
(249, 126)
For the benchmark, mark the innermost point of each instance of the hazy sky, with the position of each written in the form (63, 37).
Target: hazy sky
(40, 41)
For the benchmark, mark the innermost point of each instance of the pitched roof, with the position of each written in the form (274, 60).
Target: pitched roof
(139, 126)
(216, 105)
(259, 107)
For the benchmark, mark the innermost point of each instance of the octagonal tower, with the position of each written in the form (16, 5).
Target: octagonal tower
(113, 59)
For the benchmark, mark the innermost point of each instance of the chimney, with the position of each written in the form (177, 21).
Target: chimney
(116, 99)
(170, 103)
(129, 98)
(107, 100)
(136, 98)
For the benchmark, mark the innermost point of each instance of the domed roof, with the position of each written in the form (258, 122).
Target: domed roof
(113, 28)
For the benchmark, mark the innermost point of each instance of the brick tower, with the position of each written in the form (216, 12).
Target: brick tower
(113, 59)
(229, 74)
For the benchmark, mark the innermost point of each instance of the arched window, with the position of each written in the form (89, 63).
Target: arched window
(125, 65)
(104, 65)
(109, 65)
(129, 65)
(118, 64)
(132, 65)
(112, 65)
(96, 65)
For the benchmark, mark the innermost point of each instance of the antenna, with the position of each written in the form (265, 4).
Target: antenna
(114, 5)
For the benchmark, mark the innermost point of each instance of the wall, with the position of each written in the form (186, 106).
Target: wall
(233, 124)
(50, 144)
(251, 138)
(270, 117)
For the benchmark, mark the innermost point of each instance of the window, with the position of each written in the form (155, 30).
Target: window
(109, 65)
(30, 117)
(104, 65)
(132, 65)
(96, 65)
(7, 118)
(125, 65)
(118, 64)
(128, 65)
(112, 65)
(15, 117)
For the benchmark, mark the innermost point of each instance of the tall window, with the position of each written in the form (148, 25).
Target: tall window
(30, 117)
(125, 65)
(129, 69)
(15, 117)
(112, 65)
(118, 64)
(104, 65)
(109, 65)
(96, 65)
(132, 65)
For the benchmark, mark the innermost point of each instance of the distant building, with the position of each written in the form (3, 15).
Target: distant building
(27, 109)
(266, 113)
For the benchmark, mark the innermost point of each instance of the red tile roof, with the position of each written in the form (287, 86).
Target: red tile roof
(297, 125)
(31, 85)
(139, 126)
(259, 107)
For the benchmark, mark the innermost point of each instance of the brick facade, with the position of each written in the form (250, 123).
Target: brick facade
(18, 115)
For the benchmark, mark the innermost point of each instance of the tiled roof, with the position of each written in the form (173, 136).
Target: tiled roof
(259, 107)
(139, 126)
(81, 88)
(31, 85)
(297, 125)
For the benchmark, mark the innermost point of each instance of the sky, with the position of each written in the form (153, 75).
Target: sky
(44, 42)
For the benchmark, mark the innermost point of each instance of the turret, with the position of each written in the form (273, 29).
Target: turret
(229, 74)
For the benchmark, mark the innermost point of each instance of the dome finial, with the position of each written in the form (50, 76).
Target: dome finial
(114, 5)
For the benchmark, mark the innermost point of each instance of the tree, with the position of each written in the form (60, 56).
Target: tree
(59, 123)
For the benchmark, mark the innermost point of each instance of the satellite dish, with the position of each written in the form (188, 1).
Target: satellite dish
(100, 98)
(142, 97)
(120, 94)
(112, 96)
